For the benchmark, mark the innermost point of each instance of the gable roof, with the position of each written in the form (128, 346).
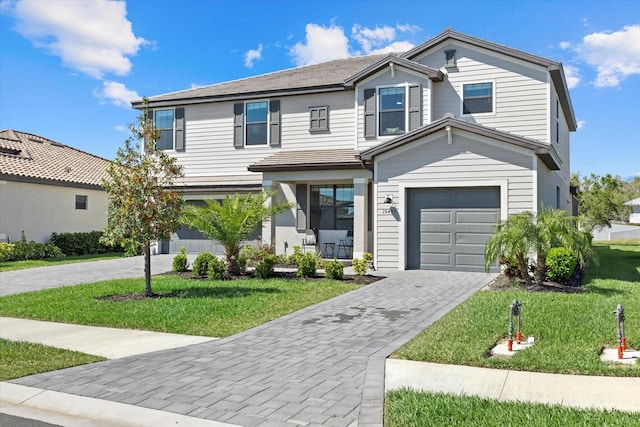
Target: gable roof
(634, 202)
(554, 68)
(542, 150)
(327, 76)
(31, 158)
(431, 73)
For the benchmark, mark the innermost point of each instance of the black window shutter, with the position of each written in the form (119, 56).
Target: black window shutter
(274, 123)
(238, 124)
(301, 210)
(179, 137)
(369, 113)
(415, 102)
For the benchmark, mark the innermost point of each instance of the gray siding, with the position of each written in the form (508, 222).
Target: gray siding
(521, 98)
(209, 149)
(431, 161)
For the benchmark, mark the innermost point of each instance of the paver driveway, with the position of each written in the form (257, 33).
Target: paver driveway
(323, 365)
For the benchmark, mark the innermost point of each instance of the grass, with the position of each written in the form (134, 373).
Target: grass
(407, 408)
(206, 308)
(570, 329)
(19, 359)
(32, 263)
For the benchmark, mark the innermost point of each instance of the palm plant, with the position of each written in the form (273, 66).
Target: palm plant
(232, 221)
(526, 232)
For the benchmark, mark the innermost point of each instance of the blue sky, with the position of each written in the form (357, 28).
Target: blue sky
(68, 69)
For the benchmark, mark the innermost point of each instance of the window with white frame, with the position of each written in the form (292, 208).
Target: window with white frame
(163, 121)
(477, 98)
(392, 110)
(257, 114)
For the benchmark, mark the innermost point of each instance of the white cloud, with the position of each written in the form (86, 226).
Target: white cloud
(615, 55)
(564, 45)
(93, 37)
(572, 74)
(117, 94)
(580, 124)
(252, 55)
(321, 44)
(121, 128)
(328, 43)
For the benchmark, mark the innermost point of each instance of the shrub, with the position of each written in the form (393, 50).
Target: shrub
(201, 263)
(216, 269)
(334, 270)
(82, 243)
(361, 265)
(242, 262)
(307, 265)
(7, 251)
(561, 263)
(180, 262)
(294, 258)
(251, 254)
(25, 250)
(264, 268)
(509, 267)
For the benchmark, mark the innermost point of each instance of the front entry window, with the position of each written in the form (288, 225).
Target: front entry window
(332, 207)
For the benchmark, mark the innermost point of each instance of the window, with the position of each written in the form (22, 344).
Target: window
(450, 58)
(477, 98)
(557, 197)
(257, 122)
(332, 207)
(81, 202)
(391, 111)
(318, 119)
(163, 121)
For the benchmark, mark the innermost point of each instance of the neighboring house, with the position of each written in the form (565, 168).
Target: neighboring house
(417, 155)
(634, 216)
(48, 187)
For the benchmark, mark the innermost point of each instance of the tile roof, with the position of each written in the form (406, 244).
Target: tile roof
(308, 159)
(330, 74)
(28, 157)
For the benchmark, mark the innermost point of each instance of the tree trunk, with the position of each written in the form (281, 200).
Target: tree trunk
(231, 255)
(541, 269)
(147, 270)
(524, 269)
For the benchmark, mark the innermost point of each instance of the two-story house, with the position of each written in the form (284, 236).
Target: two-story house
(415, 156)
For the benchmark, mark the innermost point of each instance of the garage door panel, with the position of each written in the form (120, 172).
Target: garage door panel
(477, 239)
(478, 217)
(435, 217)
(437, 238)
(435, 259)
(468, 260)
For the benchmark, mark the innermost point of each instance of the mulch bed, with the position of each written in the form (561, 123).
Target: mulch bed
(573, 285)
(290, 275)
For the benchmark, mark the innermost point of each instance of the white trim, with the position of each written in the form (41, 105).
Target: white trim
(404, 85)
(356, 117)
(493, 111)
(536, 189)
(403, 186)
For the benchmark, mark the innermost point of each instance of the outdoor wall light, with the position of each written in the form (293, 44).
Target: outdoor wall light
(388, 200)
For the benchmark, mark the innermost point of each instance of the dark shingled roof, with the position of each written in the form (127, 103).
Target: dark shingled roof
(307, 160)
(325, 76)
(28, 157)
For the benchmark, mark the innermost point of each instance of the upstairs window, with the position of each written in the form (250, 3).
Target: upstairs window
(257, 114)
(256, 123)
(477, 98)
(81, 202)
(170, 126)
(318, 119)
(392, 113)
(163, 121)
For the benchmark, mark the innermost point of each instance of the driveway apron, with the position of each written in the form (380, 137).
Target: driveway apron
(323, 365)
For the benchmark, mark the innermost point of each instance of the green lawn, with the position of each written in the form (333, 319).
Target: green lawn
(570, 329)
(207, 308)
(19, 359)
(407, 408)
(32, 263)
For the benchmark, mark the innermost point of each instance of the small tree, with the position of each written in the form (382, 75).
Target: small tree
(143, 206)
(600, 199)
(232, 221)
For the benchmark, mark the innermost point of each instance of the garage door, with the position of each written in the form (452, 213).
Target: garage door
(447, 228)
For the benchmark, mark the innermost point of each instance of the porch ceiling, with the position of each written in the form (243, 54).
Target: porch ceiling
(308, 159)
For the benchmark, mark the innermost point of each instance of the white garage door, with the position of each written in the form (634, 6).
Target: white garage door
(447, 228)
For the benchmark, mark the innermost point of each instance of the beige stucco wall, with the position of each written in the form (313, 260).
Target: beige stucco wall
(40, 210)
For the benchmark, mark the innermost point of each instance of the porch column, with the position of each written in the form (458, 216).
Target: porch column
(360, 216)
(269, 225)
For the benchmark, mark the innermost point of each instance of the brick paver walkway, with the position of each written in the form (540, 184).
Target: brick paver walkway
(323, 365)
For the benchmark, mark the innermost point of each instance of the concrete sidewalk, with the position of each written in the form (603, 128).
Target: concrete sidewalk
(578, 391)
(110, 343)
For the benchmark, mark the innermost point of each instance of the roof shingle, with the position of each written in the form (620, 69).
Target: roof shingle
(32, 157)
